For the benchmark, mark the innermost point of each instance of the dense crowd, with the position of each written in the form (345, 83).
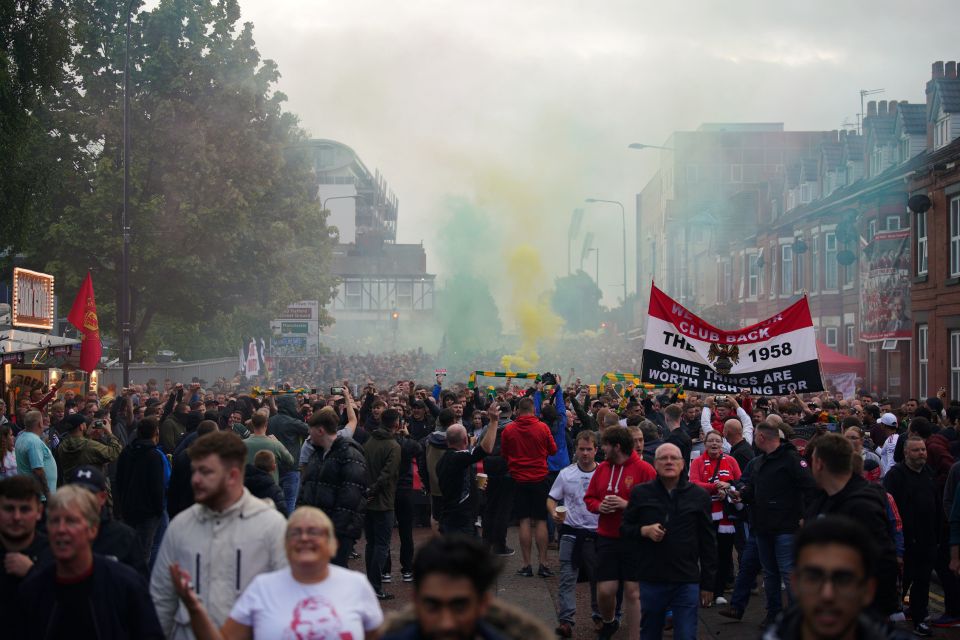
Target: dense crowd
(176, 510)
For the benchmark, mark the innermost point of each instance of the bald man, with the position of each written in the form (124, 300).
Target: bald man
(456, 475)
(677, 559)
(740, 449)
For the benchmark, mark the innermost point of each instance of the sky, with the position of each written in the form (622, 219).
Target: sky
(526, 108)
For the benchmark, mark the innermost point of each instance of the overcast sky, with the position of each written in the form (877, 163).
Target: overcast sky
(530, 105)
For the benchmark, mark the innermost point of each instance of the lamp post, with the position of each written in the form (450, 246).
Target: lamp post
(323, 203)
(124, 224)
(623, 220)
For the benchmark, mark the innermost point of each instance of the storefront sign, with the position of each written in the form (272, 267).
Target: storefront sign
(771, 358)
(32, 299)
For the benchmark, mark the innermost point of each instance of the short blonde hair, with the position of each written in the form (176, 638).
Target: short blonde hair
(313, 513)
(72, 495)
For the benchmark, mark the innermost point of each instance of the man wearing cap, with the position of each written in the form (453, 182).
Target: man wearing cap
(888, 423)
(114, 539)
(78, 449)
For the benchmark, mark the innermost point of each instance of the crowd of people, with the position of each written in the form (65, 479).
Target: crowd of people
(181, 511)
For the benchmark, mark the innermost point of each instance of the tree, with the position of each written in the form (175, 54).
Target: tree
(468, 315)
(225, 224)
(576, 298)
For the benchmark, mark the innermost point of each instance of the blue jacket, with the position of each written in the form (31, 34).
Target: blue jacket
(561, 458)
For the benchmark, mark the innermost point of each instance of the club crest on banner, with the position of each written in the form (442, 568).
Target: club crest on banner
(723, 357)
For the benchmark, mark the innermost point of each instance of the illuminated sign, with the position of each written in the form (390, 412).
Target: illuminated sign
(32, 299)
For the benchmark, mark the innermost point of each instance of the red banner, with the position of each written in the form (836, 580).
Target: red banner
(83, 315)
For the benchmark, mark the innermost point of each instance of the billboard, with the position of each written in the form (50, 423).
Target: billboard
(296, 333)
(885, 288)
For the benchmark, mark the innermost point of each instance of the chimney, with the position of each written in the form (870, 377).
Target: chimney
(935, 75)
(950, 71)
(882, 108)
(892, 107)
(872, 108)
(938, 69)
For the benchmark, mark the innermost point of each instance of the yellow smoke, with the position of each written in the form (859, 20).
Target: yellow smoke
(530, 308)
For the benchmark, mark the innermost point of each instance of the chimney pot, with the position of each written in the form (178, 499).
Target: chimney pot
(938, 69)
(950, 71)
(882, 108)
(872, 108)
(892, 107)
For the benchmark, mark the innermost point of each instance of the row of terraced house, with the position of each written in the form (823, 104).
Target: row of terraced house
(743, 219)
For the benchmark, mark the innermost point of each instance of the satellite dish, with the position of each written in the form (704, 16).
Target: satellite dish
(846, 257)
(800, 246)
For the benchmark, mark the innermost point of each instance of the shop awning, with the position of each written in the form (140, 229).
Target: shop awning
(19, 341)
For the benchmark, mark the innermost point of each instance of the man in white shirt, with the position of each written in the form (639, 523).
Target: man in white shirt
(722, 409)
(889, 423)
(577, 529)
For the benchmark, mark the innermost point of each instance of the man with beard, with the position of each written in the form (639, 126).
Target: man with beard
(226, 539)
(22, 547)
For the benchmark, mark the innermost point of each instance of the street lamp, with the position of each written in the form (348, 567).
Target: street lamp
(640, 145)
(623, 220)
(124, 226)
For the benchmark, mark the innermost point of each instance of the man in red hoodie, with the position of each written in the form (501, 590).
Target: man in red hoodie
(608, 493)
(525, 444)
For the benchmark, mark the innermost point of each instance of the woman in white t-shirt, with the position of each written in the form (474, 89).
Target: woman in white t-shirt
(8, 460)
(309, 599)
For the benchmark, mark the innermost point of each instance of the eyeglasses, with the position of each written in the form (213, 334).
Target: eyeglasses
(310, 532)
(843, 583)
(853, 437)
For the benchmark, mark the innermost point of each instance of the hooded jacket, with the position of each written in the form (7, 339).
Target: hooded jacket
(619, 480)
(525, 444)
(383, 469)
(262, 485)
(172, 430)
(139, 489)
(337, 483)
(75, 451)
(287, 425)
(561, 457)
(433, 450)
(222, 551)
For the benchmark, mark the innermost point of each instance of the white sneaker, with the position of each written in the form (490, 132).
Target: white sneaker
(721, 600)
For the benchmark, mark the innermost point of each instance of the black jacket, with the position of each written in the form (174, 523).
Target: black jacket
(409, 451)
(867, 504)
(337, 484)
(118, 600)
(138, 492)
(287, 425)
(118, 541)
(682, 440)
(776, 491)
(743, 453)
(179, 491)
(261, 485)
(920, 509)
(688, 551)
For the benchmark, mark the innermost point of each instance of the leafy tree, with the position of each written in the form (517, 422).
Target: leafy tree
(468, 314)
(225, 224)
(576, 299)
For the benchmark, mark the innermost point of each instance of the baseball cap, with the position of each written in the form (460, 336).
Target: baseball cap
(71, 422)
(88, 477)
(888, 419)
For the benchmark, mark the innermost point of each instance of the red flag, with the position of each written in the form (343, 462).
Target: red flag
(83, 315)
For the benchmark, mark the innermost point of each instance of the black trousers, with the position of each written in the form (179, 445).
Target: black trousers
(496, 514)
(725, 543)
(404, 509)
(918, 561)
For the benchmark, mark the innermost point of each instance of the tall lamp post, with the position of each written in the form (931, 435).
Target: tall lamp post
(323, 203)
(623, 220)
(124, 221)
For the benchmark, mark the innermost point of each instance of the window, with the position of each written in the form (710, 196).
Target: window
(815, 264)
(725, 281)
(871, 229)
(830, 337)
(806, 192)
(954, 364)
(786, 269)
(753, 277)
(922, 360)
(799, 265)
(404, 295)
(941, 132)
(921, 243)
(955, 238)
(830, 261)
(893, 223)
(736, 173)
(851, 349)
(353, 295)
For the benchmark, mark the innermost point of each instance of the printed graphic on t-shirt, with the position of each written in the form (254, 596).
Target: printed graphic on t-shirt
(315, 618)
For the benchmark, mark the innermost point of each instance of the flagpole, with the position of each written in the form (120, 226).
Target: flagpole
(124, 228)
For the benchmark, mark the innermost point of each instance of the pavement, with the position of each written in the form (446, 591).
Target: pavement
(538, 597)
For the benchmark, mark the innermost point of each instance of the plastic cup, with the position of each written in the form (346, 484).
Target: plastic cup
(481, 481)
(562, 512)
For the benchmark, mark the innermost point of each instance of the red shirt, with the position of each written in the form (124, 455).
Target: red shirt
(525, 444)
(618, 480)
